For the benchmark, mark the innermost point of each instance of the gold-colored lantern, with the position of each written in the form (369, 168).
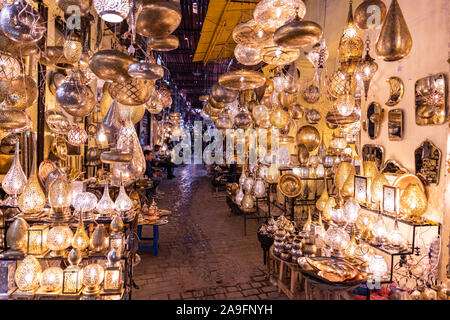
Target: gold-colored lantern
(329, 206)
(413, 202)
(99, 239)
(367, 69)
(351, 45)
(348, 189)
(72, 49)
(113, 279)
(321, 203)
(344, 170)
(73, 275)
(81, 239)
(377, 187)
(16, 236)
(15, 180)
(370, 169)
(32, 199)
(59, 238)
(93, 275)
(37, 240)
(279, 118)
(28, 273)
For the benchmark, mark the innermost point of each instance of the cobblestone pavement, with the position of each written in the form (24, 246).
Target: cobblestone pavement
(203, 253)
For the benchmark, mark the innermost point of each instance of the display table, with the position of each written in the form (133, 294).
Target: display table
(162, 220)
(288, 275)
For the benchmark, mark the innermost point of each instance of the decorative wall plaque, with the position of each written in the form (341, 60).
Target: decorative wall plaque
(431, 100)
(428, 162)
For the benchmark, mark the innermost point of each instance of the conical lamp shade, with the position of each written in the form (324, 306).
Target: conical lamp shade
(342, 173)
(81, 239)
(105, 206)
(395, 41)
(123, 203)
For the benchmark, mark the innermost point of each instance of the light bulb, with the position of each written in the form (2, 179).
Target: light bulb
(395, 237)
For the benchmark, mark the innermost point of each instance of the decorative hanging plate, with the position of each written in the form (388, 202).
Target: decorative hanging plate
(242, 80)
(290, 185)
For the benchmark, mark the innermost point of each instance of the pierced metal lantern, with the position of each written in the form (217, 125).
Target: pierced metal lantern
(9, 67)
(72, 93)
(131, 92)
(113, 11)
(77, 136)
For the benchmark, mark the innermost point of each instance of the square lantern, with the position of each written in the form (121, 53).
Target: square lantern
(37, 240)
(113, 279)
(390, 199)
(361, 189)
(72, 280)
(116, 241)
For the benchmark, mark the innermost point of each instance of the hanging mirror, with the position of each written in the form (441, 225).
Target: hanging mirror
(428, 162)
(395, 124)
(396, 90)
(373, 152)
(431, 100)
(375, 115)
(393, 167)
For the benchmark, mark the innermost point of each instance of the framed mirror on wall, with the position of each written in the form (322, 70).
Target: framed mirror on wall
(375, 115)
(431, 100)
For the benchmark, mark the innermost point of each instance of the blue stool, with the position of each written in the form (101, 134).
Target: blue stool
(155, 239)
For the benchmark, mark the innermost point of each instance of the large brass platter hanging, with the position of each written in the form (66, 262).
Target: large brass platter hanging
(168, 43)
(223, 95)
(111, 65)
(242, 80)
(145, 70)
(333, 117)
(20, 93)
(309, 136)
(298, 34)
(131, 92)
(290, 185)
(157, 18)
(249, 33)
(279, 56)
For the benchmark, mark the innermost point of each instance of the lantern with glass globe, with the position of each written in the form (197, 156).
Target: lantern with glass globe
(52, 279)
(338, 240)
(59, 238)
(105, 206)
(379, 230)
(345, 104)
(123, 202)
(351, 211)
(85, 202)
(395, 237)
(93, 275)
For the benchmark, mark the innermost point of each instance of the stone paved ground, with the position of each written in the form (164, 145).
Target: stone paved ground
(203, 253)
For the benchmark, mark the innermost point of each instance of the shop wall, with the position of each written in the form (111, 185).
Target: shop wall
(428, 22)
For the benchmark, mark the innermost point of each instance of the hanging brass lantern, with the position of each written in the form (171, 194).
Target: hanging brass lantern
(298, 34)
(367, 69)
(340, 83)
(158, 19)
(131, 92)
(111, 65)
(351, 45)
(247, 56)
(309, 136)
(57, 121)
(242, 80)
(250, 33)
(145, 70)
(394, 42)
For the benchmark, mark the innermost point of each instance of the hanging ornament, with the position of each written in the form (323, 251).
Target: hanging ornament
(9, 67)
(128, 141)
(77, 136)
(72, 93)
(113, 11)
(351, 45)
(311, 94)
(394, 42)
(247, 55)
(345, 104)
(72, 49)
(272, 14)
(367, 69)
(250, 33)
(20, 22)
(313, 116)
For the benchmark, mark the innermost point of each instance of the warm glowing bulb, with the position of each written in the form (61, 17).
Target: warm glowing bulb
(260, 33)
(278, 12)
(278, 53)
(345, 104)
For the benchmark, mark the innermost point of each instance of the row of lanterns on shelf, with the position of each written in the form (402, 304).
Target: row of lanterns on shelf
(32, 199)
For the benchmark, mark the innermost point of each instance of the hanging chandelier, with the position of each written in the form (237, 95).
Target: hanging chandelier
(113, 11)
(367, 69)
